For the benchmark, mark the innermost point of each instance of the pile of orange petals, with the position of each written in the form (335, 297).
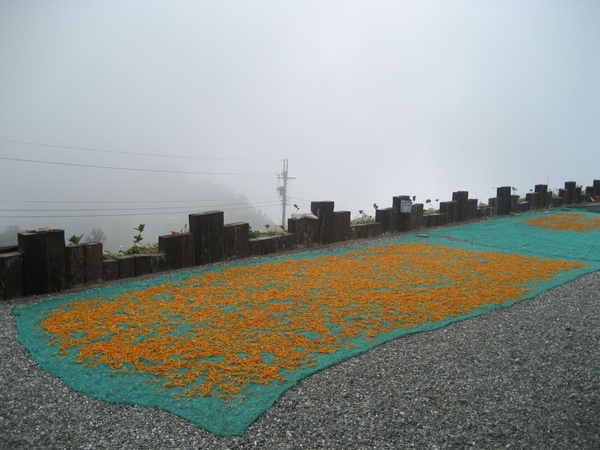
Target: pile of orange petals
(564, 221)
(219, 331)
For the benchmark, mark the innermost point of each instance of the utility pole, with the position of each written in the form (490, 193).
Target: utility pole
(283, 190)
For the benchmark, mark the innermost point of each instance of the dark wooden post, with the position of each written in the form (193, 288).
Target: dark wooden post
(542, 190)
(386, 216)
(126, 266)
(93, 262)
(416, 216)
(493, 207)
(324, 211)
(75, 260)
(208, 231)
(534, 200)
(265, 245)
(341, 227)
(305, 229)
(11, 275)
(217, 236)
(146, 264)
(514, 203)
(449, 210)
(287, 241)
(44, 261)
(564, 195)
(503, 196)
(589, 193)
(570, 192)
(110, 270)
(472, 208)
(577, 195)
(558, 201)
(402, 220)
(236, 240)
(296, 227)
(311, 231)
(461, 198)
(178, 250)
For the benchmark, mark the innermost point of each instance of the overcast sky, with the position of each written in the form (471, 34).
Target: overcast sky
(367, 100)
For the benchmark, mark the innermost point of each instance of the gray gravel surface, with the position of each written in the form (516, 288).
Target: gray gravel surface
(526, 377)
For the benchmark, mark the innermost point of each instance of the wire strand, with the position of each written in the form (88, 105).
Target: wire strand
(125, 215)
(134, 201)
(133, 169)
(135, 153)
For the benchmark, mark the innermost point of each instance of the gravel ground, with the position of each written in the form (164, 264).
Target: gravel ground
(526, 377)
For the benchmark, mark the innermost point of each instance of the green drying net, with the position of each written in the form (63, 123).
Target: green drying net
(219, 345)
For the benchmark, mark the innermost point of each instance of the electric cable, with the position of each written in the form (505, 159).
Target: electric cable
(133, 169)
(137, 154)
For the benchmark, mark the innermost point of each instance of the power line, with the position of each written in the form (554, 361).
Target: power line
(135, 153)
(133, 169)
(125, 214)
(134, 201)
(126, 209)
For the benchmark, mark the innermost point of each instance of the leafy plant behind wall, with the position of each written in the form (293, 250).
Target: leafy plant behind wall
(75, 239)
(135, 248)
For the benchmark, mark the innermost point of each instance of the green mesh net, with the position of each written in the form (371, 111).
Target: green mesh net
(219, 345)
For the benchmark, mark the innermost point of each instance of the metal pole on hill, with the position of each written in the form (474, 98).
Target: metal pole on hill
(283, 190)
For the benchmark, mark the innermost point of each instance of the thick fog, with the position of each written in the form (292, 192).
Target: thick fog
(118, 113)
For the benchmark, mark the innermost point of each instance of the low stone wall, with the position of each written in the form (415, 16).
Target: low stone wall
(41, 263)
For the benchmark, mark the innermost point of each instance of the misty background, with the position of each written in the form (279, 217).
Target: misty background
(116, 113)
